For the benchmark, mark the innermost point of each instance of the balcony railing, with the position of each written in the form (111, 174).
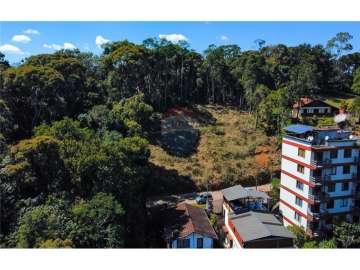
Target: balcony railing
(317, 215)
(315, 198)
(318, 163)
(319, 196)
(319, 180)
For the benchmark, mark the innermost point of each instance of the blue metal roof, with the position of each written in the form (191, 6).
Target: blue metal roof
(299, 128)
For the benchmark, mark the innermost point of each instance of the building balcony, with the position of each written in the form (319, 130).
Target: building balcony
(321, 163)
(321, 196)
(319, 180)
(315, 198)
(318, 214)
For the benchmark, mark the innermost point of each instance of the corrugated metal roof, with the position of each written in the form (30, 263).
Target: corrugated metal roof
(238, 192)
(299, 128)
(256, 225)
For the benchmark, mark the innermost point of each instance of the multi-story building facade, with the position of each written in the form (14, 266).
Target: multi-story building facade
(319, 177)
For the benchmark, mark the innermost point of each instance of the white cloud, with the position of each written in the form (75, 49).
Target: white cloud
(10, 49)
(52, 46)
(224, 38)
(21, 38)
(173, 37)
(100, 41)
(56, 47)
(69, 46)
(32, 32)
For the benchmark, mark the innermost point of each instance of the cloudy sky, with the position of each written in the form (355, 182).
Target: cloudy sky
(19, 40)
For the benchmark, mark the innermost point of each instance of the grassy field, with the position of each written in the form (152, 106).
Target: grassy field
(230, 151)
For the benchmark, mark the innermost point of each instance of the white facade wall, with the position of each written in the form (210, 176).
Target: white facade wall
(290, 183)
(292, 152)
(207, 242)
(291, 167)
(290, 213)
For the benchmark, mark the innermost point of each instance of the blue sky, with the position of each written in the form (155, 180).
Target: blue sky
(17, 43)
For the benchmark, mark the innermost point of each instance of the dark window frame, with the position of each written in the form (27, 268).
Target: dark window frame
(300, 168)
(348, 169)
(345, 184)
(330, 204)
(334, 154)
(299, 185)
(347, 153)
(301, 152)
(183, 243)
(333, 187)
(200, 240)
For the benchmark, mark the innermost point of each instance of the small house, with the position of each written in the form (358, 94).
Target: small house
(190, 228)
(310, 107)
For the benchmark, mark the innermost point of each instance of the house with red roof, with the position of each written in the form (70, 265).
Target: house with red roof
(190, 228)
(309, 107)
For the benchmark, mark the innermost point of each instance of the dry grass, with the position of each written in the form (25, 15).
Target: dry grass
(226, 153)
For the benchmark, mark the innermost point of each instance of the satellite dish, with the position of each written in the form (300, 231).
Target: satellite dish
(326, 138)
(340, 118)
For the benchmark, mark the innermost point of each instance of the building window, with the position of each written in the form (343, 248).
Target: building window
(299, 185)
(298, 201)
(347, 153)
(346, 169)
(333, 154)
(183, 243)
(333, 170)
(330, 204)
(344, 203)
(318, 156)
(297, 217)
(331, 187)
(200, 243)
(345, 186)
(300, 168)
(301, 152)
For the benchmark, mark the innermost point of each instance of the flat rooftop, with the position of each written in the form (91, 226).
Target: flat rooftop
(318, 136)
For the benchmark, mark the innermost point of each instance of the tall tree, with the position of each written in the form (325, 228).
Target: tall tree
(340, 43)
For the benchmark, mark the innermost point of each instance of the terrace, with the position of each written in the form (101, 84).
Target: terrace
(318, 138)
(238, 199)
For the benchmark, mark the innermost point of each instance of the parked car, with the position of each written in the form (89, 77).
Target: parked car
(201, 199)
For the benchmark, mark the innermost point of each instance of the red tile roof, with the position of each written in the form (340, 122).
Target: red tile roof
(302, 102)
(195, 220)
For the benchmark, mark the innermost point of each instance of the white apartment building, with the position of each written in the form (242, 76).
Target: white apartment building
(319, 177)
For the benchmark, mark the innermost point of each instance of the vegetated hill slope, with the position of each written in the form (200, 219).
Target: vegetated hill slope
(230, 151)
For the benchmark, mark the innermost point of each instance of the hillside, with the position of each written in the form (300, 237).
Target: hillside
(229, 152)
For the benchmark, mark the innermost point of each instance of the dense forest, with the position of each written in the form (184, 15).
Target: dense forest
(74, 127)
